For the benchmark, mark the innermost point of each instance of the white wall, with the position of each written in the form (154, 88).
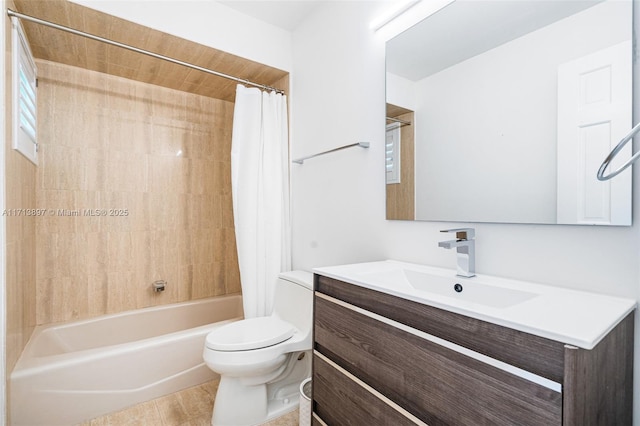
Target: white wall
(206, 22)
(338, 200)
(338, 84)
(400, 91)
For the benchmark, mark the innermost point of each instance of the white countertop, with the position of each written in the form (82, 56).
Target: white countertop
(573, 317)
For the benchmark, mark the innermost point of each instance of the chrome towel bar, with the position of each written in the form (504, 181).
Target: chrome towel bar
(615, 151)
(360, 144)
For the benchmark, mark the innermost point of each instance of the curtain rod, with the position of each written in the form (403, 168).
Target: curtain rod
(19, 15)
(397, 120)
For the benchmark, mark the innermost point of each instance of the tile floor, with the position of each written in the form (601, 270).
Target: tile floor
(189, 407)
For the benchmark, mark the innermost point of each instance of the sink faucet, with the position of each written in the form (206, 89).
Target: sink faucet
(465, 247)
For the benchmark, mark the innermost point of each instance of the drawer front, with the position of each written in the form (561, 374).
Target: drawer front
(436, 384)
(538, 355)
(339, 400)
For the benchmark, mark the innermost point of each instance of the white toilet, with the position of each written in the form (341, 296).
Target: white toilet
(262, 361)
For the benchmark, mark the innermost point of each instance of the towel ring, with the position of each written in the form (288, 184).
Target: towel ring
(615, 151)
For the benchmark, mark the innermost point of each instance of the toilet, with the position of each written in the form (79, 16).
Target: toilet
(262, 361)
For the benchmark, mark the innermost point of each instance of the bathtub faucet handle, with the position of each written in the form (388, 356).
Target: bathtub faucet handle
(159, 285)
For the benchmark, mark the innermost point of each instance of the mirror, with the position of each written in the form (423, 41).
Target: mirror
(502, 111)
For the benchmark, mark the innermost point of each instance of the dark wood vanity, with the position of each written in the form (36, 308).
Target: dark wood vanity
(384, 360)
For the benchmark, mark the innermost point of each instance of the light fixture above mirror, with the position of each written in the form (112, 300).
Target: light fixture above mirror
(402, 15)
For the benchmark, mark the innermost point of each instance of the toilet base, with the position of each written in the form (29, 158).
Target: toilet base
(240, 404)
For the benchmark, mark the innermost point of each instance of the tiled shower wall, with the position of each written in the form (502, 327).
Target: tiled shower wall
(134, 187)
(20, 193)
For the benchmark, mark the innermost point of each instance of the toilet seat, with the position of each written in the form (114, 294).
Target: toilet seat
(248, 334)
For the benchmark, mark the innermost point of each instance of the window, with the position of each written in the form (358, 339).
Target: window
(24, 74)
(392, 153)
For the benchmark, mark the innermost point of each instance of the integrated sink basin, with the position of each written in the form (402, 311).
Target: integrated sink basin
(469, 290)
(573, 317)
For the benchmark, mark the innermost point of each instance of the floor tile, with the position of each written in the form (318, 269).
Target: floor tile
(189, 407)
(196, 401)
(290, 419)
(143, 414)
(171, 410)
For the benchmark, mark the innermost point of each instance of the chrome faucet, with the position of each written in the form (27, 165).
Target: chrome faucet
(465, 247)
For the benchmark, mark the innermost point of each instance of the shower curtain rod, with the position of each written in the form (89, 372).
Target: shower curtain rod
(397, 120)
(19, 15)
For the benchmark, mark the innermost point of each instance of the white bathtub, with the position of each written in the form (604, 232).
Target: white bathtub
(72, 372)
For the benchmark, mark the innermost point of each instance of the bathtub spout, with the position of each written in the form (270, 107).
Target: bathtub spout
(159, 285)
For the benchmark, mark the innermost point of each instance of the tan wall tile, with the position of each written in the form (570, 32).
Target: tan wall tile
(158, 154)
(20, 275)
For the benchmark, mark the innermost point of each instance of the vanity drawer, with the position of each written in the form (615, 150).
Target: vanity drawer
(436, 384)
(543, 357)
(338, 399)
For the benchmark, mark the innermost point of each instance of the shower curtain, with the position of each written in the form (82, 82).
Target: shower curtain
(260, 190)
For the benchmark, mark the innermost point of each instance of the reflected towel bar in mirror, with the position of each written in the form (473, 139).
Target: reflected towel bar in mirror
(360, 144)
(615, 151)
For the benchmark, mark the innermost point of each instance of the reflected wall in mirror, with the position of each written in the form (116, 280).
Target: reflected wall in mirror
(513, 106)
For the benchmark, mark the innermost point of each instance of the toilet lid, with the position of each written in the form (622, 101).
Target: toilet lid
(253, 333)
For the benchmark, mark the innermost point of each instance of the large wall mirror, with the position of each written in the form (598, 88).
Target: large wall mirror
(502, 111)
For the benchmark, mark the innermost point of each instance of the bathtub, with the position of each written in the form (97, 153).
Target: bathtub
(72, 372)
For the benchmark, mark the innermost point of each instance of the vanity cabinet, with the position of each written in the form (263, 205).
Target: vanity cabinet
(384, 360)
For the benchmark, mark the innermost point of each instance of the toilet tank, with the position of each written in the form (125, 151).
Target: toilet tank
(293, 299)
